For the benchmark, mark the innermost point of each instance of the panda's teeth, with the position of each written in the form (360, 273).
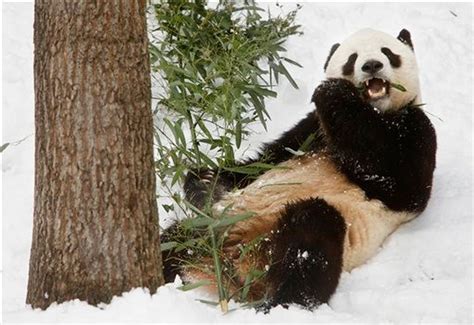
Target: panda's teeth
(377, 94)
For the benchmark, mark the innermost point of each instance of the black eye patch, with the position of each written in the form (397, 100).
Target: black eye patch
(348, 68)
(394, 59)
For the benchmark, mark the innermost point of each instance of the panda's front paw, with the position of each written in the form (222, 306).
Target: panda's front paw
(336, 93)
(197, 186)
(199, 178)
(207, 176)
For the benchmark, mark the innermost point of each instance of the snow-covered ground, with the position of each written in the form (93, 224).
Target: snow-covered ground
(424, 271)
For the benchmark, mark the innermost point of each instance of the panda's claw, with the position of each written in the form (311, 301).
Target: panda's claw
(207, 176)
(205, 181)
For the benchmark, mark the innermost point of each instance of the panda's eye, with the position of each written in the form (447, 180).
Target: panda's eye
(348, 68)
(394, 59)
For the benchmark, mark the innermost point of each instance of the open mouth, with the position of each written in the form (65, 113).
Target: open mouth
(376, 88)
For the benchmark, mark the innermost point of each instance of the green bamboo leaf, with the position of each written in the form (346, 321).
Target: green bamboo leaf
(218, 271)
(171, 128)
(209, 302)
(168, 245)
(198, 222)
(197, 211)
(398, 87)
(266, 166)
(179, 133)
(211, 164)
(178, 174)
(203, 127)
(227, 221)
(246, 288)
(276, 70)
(292, 62)
(238, 134)
(288, 76)
(4, 146)
(168, 207)
(264, 92)
(194, 285)
(253, 169)
(307, 143)
(259, 109)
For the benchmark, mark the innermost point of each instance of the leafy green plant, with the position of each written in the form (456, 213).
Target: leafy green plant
(214, 68)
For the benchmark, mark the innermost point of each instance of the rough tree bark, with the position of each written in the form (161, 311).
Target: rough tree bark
(95, 231)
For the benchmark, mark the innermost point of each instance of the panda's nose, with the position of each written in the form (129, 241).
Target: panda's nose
(372, 66)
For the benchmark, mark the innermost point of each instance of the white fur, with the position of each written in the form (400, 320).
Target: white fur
(367, 43)
(369, 222)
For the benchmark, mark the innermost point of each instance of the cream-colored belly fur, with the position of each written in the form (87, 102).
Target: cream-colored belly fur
(368, 222)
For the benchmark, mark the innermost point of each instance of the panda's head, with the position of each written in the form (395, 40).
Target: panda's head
(382, 66)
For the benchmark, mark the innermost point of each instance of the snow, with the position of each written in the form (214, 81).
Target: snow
(424, 271)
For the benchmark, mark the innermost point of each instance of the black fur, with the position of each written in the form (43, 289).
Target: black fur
(307, 255)
(391, 156)
(170, 258)
(394, 59)
(348, 68)
(199, 183)
(405, 37)
(331, 52)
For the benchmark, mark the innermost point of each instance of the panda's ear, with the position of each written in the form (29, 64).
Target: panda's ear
(331, 52)
(405, 37)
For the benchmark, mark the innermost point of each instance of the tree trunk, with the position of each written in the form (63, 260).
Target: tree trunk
(95, 231)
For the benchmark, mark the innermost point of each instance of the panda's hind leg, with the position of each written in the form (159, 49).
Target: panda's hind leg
(174, 259)
(307, 254)
(170, 258)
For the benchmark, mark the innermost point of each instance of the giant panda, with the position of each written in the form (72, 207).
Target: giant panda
(367, 170)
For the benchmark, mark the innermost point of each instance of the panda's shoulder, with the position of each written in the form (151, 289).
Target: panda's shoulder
(417, 129)
(415, 117)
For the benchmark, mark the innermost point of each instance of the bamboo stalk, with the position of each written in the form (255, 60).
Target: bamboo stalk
(218, 272)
